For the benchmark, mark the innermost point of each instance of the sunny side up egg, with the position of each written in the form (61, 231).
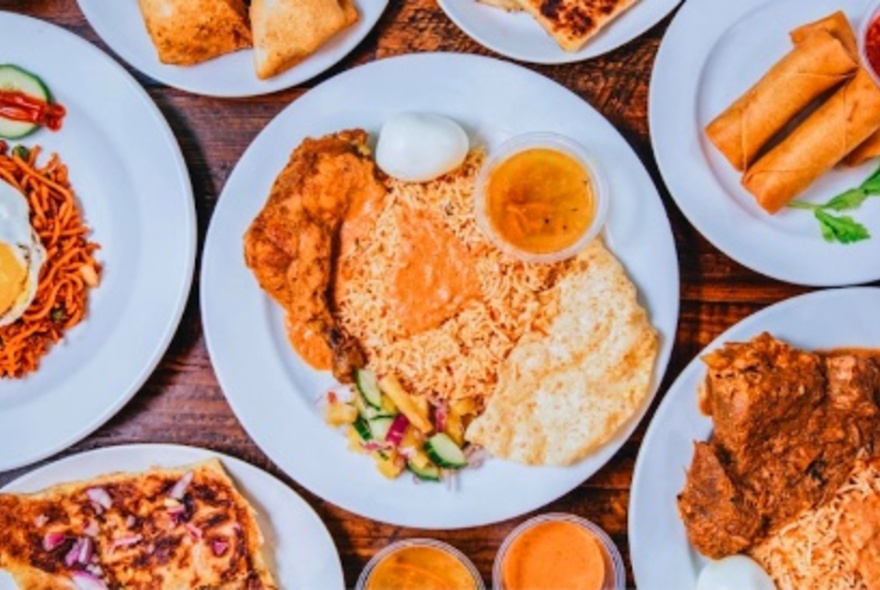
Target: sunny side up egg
(21, 255)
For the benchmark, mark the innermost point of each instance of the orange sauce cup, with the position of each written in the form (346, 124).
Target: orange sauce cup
(559, 551)
(420, 564)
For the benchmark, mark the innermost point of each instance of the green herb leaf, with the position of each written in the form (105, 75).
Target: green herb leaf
(872, 184)
(851, 199)
(803, 205)
(843, 229)
(21, 151)
(57, 315)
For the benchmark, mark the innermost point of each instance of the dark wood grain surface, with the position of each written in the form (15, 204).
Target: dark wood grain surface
(182, 401)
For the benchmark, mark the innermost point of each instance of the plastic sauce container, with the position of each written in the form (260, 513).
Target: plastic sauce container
(420, 564)
(539, 197)
(559, 551)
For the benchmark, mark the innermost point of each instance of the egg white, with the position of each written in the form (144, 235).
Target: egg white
(418, 147)
(735, 572)
(16, 232)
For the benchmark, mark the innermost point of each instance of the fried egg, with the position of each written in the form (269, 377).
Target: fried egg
(21, 255)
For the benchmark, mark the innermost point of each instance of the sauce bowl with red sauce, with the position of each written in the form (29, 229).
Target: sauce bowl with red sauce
(869, 40)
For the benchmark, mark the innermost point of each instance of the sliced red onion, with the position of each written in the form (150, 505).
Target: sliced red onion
(475, 456)
(91, 529)
(176, 509)
(179, 488)
(100, 497)
(130, 521)
(407, 452)
(41, 521)
(397, 430)
(95, 569)
(73, 555)
(126, 541)
(53, 540)
(88, 581)
(195, 531)
(219, 547)
(440, 417)
(86, 549)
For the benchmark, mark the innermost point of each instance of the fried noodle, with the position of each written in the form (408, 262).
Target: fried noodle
(70, 269)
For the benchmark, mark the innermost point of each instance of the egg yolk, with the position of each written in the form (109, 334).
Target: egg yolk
(13, 275)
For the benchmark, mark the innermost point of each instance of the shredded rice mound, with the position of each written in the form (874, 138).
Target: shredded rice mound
(459, 358)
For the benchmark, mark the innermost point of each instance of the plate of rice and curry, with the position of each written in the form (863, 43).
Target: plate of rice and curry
(760, 466)
(457, 287)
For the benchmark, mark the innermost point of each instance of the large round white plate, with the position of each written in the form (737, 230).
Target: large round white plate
(712, 52)
(135, 194)
(661, 555)
(273, 393)
(120, 24)
(519, 36)
(298, 547)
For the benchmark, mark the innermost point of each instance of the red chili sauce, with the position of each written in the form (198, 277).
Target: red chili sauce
(18, 106)
(872, 45)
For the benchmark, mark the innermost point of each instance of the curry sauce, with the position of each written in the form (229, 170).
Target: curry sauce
(540, 200)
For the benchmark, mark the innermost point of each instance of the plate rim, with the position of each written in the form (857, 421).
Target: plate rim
(564, 57)
(212, 340)
(670, 402)
(160, 348)
(204, 453)
(133, 59)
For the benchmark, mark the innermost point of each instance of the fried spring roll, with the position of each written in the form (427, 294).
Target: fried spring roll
(867, 150)
(815, 65)
(834, 130)
(837, 25)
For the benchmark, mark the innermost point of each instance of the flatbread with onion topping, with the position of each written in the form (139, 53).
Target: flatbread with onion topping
(185, 527)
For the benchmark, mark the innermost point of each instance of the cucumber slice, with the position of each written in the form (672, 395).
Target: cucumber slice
(14, 78)
(368, 386)
(380, 425)
(444, 452)
(429, 472)
(363, 429)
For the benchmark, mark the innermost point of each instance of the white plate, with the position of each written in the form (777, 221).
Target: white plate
(120, 24)
(273, 393)
(518, 35)
(135, 194)
(712, 52)
(298, 547)
(661, 555)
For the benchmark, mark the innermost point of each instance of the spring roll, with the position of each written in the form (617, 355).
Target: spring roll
(837, 25)
(867, 150)
(834, 130)
(815, 65)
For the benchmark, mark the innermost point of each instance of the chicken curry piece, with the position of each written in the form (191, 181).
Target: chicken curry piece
(789, 426)
(293, 243)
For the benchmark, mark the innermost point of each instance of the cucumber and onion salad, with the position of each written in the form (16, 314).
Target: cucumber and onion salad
(25, 103)
(397, 429)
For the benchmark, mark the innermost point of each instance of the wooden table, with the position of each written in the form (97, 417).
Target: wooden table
(182, 401)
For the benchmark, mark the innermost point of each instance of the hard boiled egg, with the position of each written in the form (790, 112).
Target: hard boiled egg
(736, 572)
(418, 147)
(21, 255)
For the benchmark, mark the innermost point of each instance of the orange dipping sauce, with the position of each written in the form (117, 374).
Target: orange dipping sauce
(540, 200)
(420, 567)
(554, 554)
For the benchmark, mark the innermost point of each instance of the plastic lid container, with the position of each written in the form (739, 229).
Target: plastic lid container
(615, 573)
(363, 582)
(871, 14)
(551, 141)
